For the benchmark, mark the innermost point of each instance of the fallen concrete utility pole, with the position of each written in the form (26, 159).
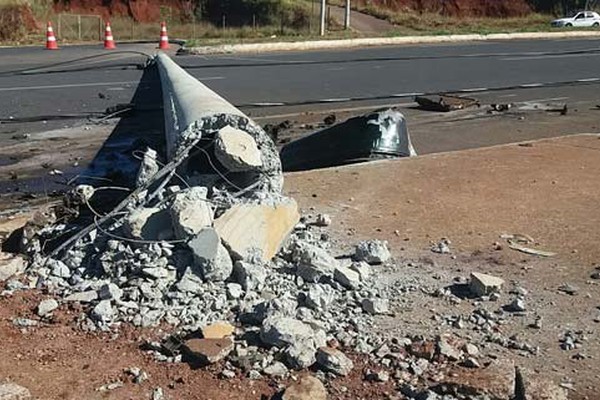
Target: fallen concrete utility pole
(192, 111)
(228, 191)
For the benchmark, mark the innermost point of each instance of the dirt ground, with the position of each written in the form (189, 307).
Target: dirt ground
(547, 189)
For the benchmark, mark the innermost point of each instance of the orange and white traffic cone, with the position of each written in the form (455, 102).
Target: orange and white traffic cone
(109, 42)
(164, 39)
(50, 38)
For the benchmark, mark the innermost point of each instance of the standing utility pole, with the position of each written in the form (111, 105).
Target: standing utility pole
(323, 6)
(347, 19)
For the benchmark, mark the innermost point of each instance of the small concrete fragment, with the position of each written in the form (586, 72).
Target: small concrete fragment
(306, 388)
(300, 356)
(148, 167)
(12, 391)
(335, 361)
(517, 305)
(314, 263)
(323, 220)
(447, 350)
(484, 284)
(46, 307)
(246, 228)
(208, 351)
(375, 306)
(103, 312)
(190, 212)
(250, 276)
(110, 291)
(363, 269)
(236, 150)
(319, 297)
(372, 252)
(277, 369)
(218, 330)
(83, 297)
(282, 331)
(11, 267)
(149, 223)
(347, 277)
(211, 256)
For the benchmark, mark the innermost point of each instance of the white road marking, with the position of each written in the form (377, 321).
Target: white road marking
(334, 100)
(480, 89)
(73, 85)
(407, 94)
(530, 85)
(588, 80)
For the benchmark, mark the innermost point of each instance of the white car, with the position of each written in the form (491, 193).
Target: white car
(581, 19)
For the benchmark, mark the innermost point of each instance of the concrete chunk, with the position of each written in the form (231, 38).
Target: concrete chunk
(483, 284)
(249, 276)
(46, 307)
(190, 212)
(245, 228)
(283, 331)
(11, 267)
(148, 167)
(110, 291)
(211, 256)
(149, 223)
(347, 277)
(208, 351)
(83, 297)
(372, 252)
(375, 306)
(237, 150)
(335, 361)
(314, 263)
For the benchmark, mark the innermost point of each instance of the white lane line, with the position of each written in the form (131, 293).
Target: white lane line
(334, 100)
(588, 80)
(530, 85)
(479, 89)
(73, 85)
(408, 94)
(265, 104)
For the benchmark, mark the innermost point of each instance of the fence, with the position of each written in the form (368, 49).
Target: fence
(79, 27)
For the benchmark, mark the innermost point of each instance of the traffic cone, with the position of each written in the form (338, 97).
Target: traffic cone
(164, 39)
(109, 42)
(50, 38)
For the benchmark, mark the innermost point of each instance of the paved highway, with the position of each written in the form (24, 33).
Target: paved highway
(384, 74)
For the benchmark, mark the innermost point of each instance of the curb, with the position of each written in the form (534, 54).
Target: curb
(368, 42)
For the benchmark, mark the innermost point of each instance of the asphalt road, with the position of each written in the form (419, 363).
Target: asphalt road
(299, 81)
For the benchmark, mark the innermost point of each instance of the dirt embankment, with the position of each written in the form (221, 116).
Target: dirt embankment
(150, 10)
(139, 10)
(458, 8)
(16, 20)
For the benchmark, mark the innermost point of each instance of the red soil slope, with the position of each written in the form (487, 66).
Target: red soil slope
(460, 8)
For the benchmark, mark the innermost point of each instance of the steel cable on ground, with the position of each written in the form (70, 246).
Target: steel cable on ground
(44, 68)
